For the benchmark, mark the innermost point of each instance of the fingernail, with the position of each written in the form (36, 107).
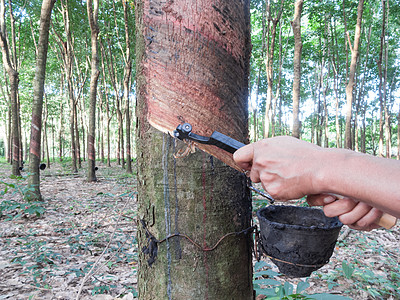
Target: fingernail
(329, 199)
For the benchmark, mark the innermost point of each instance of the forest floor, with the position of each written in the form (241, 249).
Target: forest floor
(84, 241)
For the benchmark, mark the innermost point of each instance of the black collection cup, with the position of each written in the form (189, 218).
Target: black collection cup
(299, 240)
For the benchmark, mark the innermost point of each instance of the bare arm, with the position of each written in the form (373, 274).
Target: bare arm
(289, 168)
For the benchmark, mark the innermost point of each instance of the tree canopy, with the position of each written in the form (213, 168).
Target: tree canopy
(327, 34)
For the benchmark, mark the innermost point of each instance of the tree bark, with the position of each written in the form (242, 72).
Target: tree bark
(66, 52)
(381, 81)
(46, 136)
(398, 135)
(93, 9)
(61, 122)
(108, 112)
(255, 108)
(361, 105)
(116, 84)
(9, 122)
(14, 80)
(298, 45)
(353, 66)
(385, 80)
(189, 55)
(269, 62)
(38, 92)
(325, 88)
(278, 94)
(335, 65)
(319, 117)
(77, 133)
(127, 85)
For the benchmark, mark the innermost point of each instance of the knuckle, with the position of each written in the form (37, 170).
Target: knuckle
(347, 204)
(363, 223)
(345, 220)
(329, 213)
(274, 193)
(265, 177)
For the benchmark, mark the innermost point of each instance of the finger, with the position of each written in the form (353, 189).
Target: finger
(245, 166)
(320, 199)
(254, 175)
(244, 157)
(367, 228)
(339, 207)
(356, 214)
(370, 218)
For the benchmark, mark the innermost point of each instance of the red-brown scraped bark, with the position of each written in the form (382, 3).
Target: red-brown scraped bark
(91, 149)
(36, 126)
(180, 86)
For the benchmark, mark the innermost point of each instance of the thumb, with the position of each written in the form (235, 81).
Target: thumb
(320, 199)
(244, 157)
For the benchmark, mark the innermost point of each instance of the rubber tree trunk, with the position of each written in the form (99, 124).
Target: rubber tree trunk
(205, 47)
(127, 86)
(38, 92)
(381, 80)
(298, 45)
(398, 135)
(269, 65)
(92, 9)
(14, 80)
(351, 82)
(66, 50)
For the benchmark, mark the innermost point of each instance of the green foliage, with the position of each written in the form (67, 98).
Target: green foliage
(364, 279)
(325, 63)
(265, 284)
(347, 269)
(19, 205)
(38, 258)
(361, 277)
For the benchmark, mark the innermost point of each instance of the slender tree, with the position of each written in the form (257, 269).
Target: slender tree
(398, 135)
(269, 59)
(127, 86)
(66, 50)
(361, 94)
(109, 113)
(335, 65)
(385, 94)
(382, 83)
(353, 66)
(93, 9)
(14, 80)
(38, 91)
(297, 66)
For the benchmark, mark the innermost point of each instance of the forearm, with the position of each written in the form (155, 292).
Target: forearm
(370, 179)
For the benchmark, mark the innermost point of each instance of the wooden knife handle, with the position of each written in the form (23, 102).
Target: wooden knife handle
(386, 221)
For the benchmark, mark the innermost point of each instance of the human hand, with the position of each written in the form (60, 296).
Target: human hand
(357, 215)
(285, 166)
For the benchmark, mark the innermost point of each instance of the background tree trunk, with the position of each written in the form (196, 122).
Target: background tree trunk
(38, 91)
(107, 104)
(14, 80)
(127, 85)
(270, 59)
(297, 66)
(353, 66)
(198, 195)
(66, 52)
(398, 135)
(92, 9)
(381, 80)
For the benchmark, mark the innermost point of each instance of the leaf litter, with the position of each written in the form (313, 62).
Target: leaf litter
(85, 242)
(48, 257)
